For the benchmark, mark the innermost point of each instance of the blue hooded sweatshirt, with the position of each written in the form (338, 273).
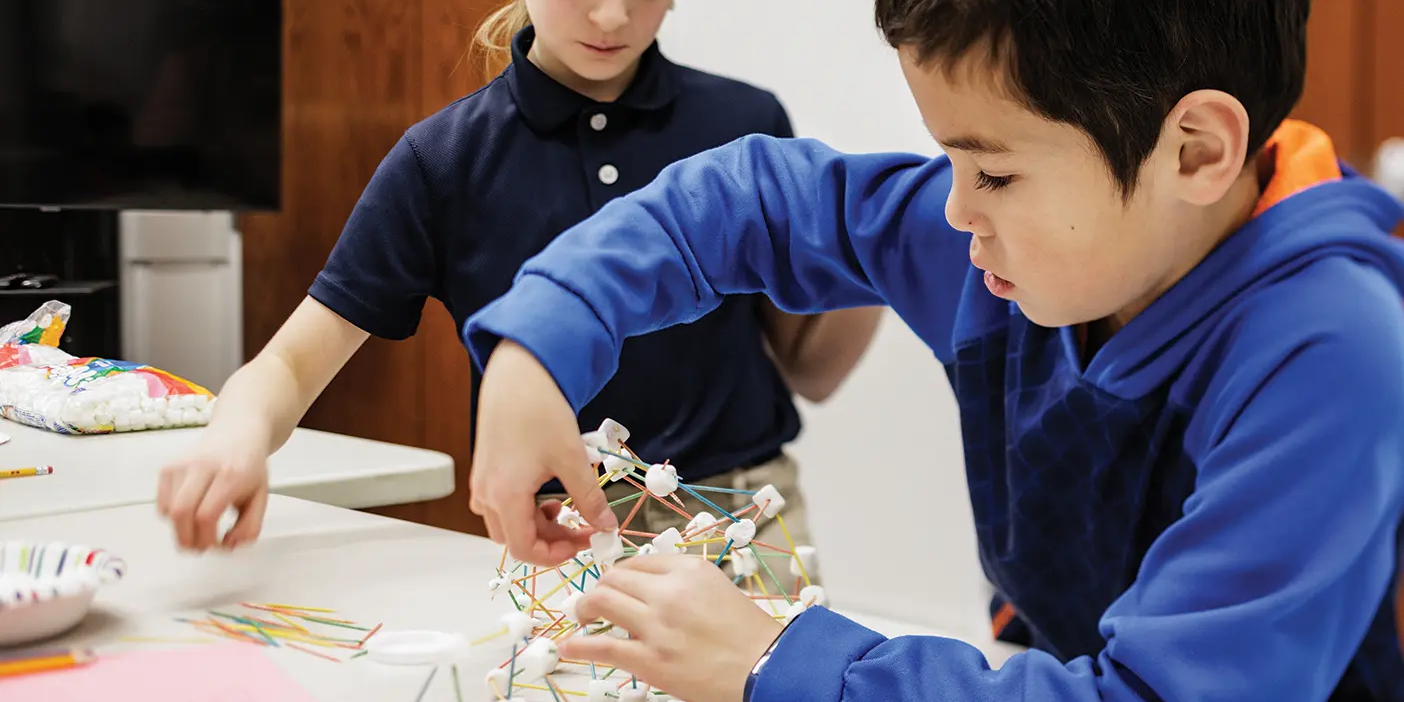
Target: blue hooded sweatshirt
(1207, 509)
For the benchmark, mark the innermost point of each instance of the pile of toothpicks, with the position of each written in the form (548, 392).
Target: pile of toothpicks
(311, 630)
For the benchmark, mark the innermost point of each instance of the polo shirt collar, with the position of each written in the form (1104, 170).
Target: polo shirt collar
(546, 104)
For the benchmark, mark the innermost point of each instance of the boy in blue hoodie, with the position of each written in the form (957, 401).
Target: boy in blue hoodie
(1171, 316)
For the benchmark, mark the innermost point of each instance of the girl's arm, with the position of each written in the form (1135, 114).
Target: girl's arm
(258, 409)
(815, 353)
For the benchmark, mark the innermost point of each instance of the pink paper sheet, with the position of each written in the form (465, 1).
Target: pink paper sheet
(232, 672)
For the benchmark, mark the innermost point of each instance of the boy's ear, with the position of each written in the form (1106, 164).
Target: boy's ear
(1210, 128)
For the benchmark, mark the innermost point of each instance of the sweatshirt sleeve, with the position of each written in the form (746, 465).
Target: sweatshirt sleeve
(809, 227)
(1264, 589)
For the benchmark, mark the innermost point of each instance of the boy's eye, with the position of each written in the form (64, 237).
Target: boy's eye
(985, 181)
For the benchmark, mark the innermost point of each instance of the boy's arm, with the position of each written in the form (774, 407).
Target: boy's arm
(812, 229)
(1264, 589)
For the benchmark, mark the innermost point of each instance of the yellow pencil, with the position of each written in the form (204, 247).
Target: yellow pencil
(51, 661)
(25, 472)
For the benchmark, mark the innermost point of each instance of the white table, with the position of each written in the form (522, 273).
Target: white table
(368, 568)
(110, 470)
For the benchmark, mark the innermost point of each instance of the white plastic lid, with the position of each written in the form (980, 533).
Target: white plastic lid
(416, 647)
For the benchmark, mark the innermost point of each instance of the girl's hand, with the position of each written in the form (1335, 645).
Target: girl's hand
(693, 633)
(196, 490)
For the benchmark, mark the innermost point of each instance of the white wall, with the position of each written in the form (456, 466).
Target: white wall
(887, 447)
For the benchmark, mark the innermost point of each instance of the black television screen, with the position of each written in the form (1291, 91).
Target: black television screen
(141, 104)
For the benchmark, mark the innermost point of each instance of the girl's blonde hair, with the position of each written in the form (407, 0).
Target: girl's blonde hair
(494, 36)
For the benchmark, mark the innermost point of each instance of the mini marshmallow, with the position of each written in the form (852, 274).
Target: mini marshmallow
(741, 533)
(794, 610)
(497, 682)
(569, 518)
(538, 660)
(633, 694)
(744, 562)
(607, 547)
(804, 555)
(614, 432)
(769, 499)
(701, 523)
(568, 607)
(190, 416)
(496, 583)
(668, 541)
(813, 596)
(519, 625)
(602, 691)
(662, 480)
(646, 550)
(616, 468)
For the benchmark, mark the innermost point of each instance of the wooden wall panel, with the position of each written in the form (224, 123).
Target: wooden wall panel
(1334, 87)
(357, 73)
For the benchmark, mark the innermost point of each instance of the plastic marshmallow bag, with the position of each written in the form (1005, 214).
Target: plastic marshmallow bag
(44, 387)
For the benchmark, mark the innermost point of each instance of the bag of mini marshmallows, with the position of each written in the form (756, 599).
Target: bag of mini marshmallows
(44, 387)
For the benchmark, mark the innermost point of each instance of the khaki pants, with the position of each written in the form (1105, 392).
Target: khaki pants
(650, 516)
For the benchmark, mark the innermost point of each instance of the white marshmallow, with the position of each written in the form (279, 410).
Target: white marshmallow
(661, 480)
(794, 610)
(633, 694)
(668, 541)
(806, 556)
(569, 518)
(602, 691)
(813, 596)
(190, 416)
(616, 468)
(497, 682)
(740, 533)
(613, 432)
(607, 547)
(744, 562)
(496, 583)
(538, 660)
(770, 500)
(700, 524)
(646, 550)
(519, 625)
(569, 605)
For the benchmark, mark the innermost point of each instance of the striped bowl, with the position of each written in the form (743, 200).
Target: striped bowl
(46, 588)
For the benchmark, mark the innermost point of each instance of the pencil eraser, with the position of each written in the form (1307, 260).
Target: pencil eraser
(741, 533)
(769, 500)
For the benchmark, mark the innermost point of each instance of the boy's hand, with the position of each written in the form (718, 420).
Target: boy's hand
(527, 434)
(196, 490)
(692, 632)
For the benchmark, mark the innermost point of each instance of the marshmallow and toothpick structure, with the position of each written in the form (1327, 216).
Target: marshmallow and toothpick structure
(544, 599)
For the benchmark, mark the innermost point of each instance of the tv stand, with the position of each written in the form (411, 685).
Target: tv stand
(81, 248)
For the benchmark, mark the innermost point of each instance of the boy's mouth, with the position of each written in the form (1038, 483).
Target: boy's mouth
(998, 286)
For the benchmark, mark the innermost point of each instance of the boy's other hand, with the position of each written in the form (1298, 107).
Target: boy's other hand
(692, 632)
(528, 434)
(196, 490)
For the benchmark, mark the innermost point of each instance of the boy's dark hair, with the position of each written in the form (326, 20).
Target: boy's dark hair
(1115, 68)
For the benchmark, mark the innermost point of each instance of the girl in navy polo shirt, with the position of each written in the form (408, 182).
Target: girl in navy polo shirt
(587, 109)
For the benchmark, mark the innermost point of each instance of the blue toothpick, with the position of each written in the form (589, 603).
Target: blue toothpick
(708, 502)
(729, 491)
(724, 552)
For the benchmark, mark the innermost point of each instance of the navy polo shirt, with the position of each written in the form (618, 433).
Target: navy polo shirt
(472, 192)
